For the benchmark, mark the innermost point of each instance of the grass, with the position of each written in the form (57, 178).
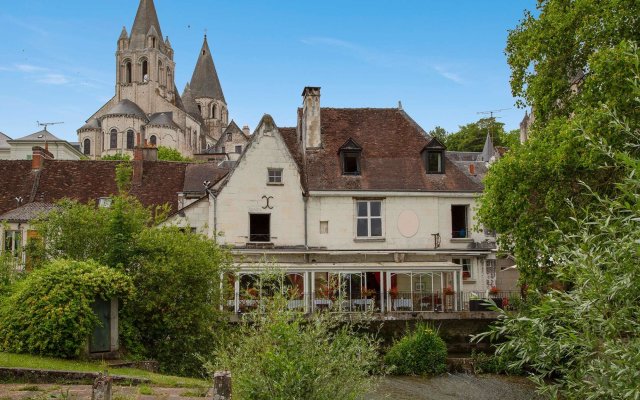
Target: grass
(145, 390)
(47, 363)
(29, 388)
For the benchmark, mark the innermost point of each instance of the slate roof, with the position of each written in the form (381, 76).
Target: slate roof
(146, 18)
(196, 174)
(50, 137)
(162, 119)
(93, 123)
(234, 128)
(204, 81)
(3, 141)
(86, 180)
(126, 107)
(190, 105)
(391, 154)
(27, 212)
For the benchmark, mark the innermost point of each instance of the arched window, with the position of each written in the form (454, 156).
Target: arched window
(129, 139)
(113, 139)
(145, 71)
(153, 42)
(127, 71)
(200, 108)
(86, 147)
(214, 111)
(160, 71)
(169, 78)
(153, 140)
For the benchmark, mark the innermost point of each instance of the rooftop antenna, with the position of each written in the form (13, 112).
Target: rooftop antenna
(491, 116)
(45, 124)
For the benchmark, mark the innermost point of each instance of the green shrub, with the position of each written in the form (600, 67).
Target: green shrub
(494, 364)
(419, 352)
(285, 355)
(49, 312)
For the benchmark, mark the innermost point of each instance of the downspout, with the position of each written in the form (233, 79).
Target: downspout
(306, 200)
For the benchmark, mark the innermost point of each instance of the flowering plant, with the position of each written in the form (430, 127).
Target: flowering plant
(448, 290)
(493, 290)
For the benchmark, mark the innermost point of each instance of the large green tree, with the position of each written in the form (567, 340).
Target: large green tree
(526, 192)
(471, 137)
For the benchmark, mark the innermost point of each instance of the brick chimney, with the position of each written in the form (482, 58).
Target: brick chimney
(472, 169)
(38, 156)
(310, 123)
(140, 155)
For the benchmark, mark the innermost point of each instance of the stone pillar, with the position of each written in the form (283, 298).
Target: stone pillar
(222, 385)
(102, 388)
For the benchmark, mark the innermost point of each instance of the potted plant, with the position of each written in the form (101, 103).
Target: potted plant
(393, 292)
(494, 294)
(448, 291)
(367, 293)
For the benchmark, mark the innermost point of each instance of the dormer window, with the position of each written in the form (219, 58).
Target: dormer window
(350, 154)
(433, 157)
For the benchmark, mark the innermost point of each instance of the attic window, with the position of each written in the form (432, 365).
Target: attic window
(350, 153)
(433, 157)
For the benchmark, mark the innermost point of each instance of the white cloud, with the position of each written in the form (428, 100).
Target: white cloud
(53, 79)
(444, 72)
(29, 68)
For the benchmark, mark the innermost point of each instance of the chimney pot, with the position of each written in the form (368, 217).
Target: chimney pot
(246, 130)
(472, 169)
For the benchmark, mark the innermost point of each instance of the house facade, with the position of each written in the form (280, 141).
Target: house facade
(352, 204)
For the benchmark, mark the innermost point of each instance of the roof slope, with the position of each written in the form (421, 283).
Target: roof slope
(197, 174)
(391, 154)
(146, 18)
(190, 105)
(87, 180)
(35, 137)
(27, 212)
(3, 141)
(204, 81)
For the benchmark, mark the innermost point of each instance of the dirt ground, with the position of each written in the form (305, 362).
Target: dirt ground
(82, 392)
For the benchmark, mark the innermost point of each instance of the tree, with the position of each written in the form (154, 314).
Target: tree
(471, 137)
(546, 52)
(439, 133)
(169, 154)
(525, 192)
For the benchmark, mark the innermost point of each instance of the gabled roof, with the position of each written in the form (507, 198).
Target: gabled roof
(146, 18)
(234, 128)
(350, 145)
(126, 107)
(39, 136)
(204, 81)
(391, 154)
(434, 144)
(197, 174)
(27, 212)
(162, 119)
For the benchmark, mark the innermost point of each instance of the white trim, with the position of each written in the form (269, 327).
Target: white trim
(342, 193)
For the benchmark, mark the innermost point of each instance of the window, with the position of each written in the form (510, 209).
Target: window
(324, 227)
(200, 108)
(214, 109)
(153, 140)
(350, 158)
(239, 149)
(433, 157)
(223, 150)
(466, 267)
(259, 227)
(127, 72)
(459, 222)
(113, 139)
(86, 147)
(145, 71)
(434, 162)
(129, 139)
(13, 242)
(229, 137)
(368, 218)
(160, 81)
(274, 176)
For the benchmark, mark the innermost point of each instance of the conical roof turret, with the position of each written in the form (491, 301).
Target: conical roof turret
(204, 81)
(146, 18)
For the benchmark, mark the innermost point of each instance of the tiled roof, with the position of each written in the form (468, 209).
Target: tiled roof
(162, 119)
(27, 212)
(85, 181)
(291, 139)
(146, 18)
(390, 160)
(190, 105)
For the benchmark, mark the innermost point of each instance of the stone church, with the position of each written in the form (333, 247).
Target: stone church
(147, 107)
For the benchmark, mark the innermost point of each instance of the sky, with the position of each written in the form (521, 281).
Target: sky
(444, 60)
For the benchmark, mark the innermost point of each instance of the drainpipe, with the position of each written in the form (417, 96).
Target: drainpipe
(306, 200)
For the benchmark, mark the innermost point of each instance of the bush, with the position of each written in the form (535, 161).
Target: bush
(419, 352)
(49, 312)
(281, 354)
(493, 364)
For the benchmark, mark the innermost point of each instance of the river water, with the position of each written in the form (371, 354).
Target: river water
(454, 386)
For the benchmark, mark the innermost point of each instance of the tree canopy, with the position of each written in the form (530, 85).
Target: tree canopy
(472, 136)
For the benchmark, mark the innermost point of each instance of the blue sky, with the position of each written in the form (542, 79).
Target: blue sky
(444, 60)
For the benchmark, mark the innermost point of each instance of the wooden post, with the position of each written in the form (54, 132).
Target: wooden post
(102, 388)
(222, 385)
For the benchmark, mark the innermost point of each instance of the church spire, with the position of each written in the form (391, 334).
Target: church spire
(146, 19)
(204, 81)
(489, 150)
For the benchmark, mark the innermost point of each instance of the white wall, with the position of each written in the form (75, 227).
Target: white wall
(60, 150)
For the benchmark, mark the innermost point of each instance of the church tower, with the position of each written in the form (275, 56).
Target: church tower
(145, 61)
(207, 92)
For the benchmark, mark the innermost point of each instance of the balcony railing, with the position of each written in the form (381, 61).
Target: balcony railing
(390, 302)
